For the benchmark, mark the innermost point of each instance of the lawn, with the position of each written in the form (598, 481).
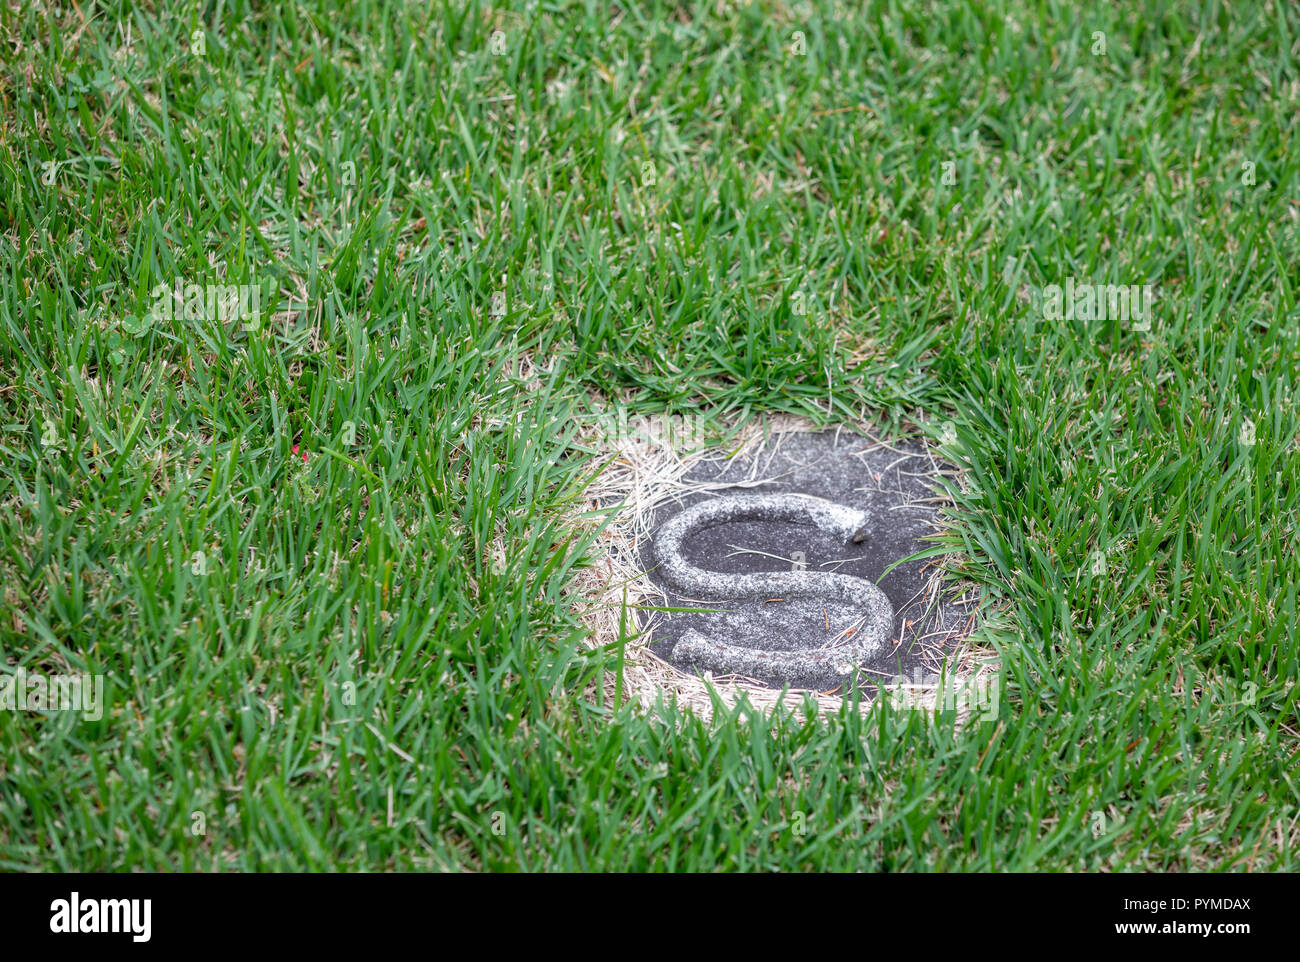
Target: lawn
(310, 312)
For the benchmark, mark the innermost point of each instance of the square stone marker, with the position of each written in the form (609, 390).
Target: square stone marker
(841, 467)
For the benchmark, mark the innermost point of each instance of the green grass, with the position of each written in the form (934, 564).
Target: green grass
(655, 189)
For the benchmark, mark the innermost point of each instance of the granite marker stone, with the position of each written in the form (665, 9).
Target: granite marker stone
(828, 660)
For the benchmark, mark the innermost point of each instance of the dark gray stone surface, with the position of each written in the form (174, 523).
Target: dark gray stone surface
(894, 484)
(829, 656)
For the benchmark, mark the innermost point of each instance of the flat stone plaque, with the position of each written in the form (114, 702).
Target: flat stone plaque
(790, 570)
